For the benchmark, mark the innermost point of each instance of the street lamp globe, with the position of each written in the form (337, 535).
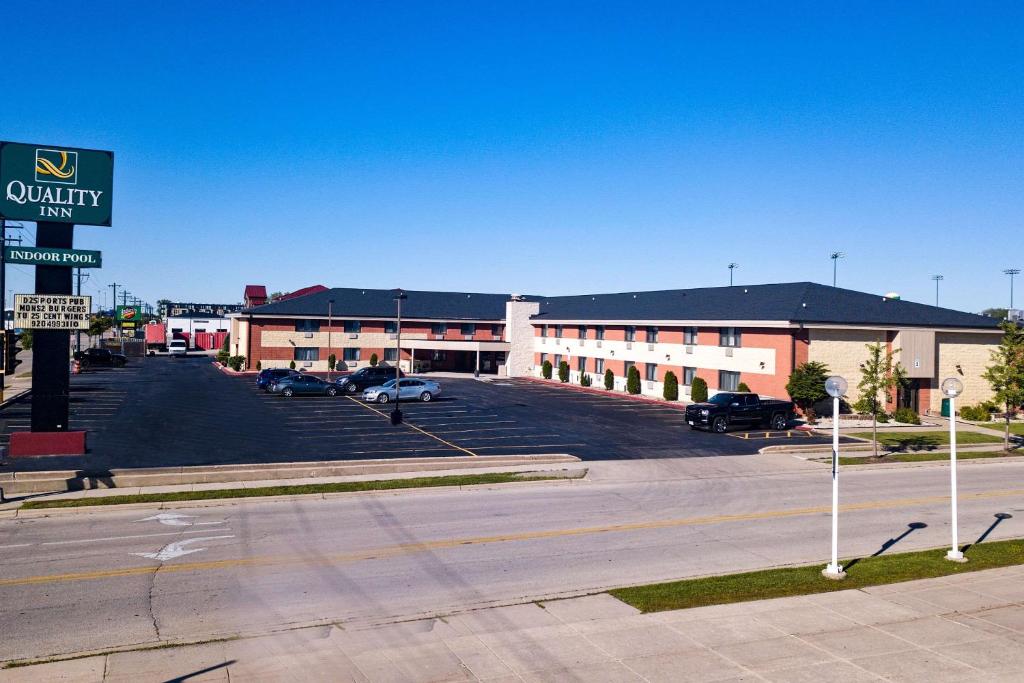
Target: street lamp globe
(952, 387)
(836, 386)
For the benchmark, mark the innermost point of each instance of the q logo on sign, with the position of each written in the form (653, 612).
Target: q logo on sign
(56, 166)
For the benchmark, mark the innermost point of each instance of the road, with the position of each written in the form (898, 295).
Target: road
(82, 581)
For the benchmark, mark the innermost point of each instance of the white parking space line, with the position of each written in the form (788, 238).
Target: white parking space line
(467, 424)
(536, 445)
(487, 429)
(463, 439)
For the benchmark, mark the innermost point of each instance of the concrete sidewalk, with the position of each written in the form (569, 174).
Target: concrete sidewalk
(968, 627)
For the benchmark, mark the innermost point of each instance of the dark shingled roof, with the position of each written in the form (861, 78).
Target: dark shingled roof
(799, 302)
(380, 303)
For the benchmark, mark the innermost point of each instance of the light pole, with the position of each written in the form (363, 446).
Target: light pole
(835, 256)
(938, 279)
(951, 388)
(396, 414)
(732, 267)
(1011, 272)
(836, 388)
(330, 311)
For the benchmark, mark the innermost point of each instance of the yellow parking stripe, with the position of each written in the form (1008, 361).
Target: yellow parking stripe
(412, 426)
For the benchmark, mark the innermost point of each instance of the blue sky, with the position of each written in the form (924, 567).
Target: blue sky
(548, 148)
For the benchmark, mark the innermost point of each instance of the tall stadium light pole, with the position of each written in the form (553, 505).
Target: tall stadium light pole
(836, 388)
(396, 414)
(330, 313)
(951, 388)
(938, 279)
(732, 267)
(1011, 272)
(835, 256)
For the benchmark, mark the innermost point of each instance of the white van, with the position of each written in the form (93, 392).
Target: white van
(177, 347)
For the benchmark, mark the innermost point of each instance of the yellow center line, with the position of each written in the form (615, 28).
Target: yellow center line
(412, 426)
(426, 546)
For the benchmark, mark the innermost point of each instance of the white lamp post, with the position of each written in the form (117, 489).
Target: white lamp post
(836, 388)
(951, 388)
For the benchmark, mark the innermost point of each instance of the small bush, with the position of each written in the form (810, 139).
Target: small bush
(698, 390)
(743, 387)
(332, 361)
(563, 371)
(882, 417)
(374, 360)
(545, 370)
(259, 365)
(292, 365)
(223, 356)
(235, 362)
(671, 390)
(633, 380)
(609, 379)
(977, 413)
(906, 416)
(585, 380)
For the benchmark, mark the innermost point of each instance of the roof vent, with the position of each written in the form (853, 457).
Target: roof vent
(517, 297)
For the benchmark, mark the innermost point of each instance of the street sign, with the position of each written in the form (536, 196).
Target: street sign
(129, 314)
(56, 184)
(49, 256)
(51, 311)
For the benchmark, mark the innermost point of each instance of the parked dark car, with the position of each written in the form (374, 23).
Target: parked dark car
(372, 376)
(267, 376)
(728, 408)
(100, 358)
(303, 385)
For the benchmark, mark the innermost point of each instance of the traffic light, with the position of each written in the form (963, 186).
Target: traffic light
(11, 350)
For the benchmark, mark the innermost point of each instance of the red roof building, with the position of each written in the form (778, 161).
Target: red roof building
(255, 295)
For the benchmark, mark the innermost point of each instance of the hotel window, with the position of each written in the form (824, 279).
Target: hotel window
(390, 355)
(467, 329)
(175, 330)
(599, 332)
(307, 325)
(307, 353)
(439, 328)
(391, 327)
(543, 330)
(626, 365)
(690, 335)
(350, 354)
(630, 333)
(559, 329)
(652, 335)
(352, 327)
(599, 366)
(582, 330)
(688, 375)
(440, 356)
(496, 331)
(728, 381)
(543, 358)
(581, 364)
(651, 372)
(558, 360)
(729, 336)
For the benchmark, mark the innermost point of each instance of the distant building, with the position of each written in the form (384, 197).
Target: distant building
(173, 308)
(255, 295)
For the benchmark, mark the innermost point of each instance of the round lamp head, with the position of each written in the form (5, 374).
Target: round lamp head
(952, 387)
(835, 386)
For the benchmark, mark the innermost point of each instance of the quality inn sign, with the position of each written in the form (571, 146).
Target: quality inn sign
(56, 184)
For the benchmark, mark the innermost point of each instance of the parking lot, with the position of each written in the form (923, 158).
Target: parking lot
(162, 412)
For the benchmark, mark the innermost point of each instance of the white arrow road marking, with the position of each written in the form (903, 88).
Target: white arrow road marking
(177, 549)
(175, 519)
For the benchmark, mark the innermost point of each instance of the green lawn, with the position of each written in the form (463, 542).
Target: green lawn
(918, 457)
(923, 441)
(299, 489)
(1015, 427)
(779, 583)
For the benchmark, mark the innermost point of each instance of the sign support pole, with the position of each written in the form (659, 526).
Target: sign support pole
(50, 348)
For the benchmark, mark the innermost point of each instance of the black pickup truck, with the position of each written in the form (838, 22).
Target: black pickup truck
(100, 358)
(727, 408)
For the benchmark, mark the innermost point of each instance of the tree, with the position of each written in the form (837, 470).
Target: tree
(878, 375)
(998, 313)
(585, 380)
(26, 339)
(545, 369)
(274, 296)
(1006, 374)
(806, 386)
(374, 360)
(742, 386)
(609, 379)
(259, 365)
(633, 380)
(226, 346)
(332, 361)
(699, 390)
(292, 365)
(671, 388)
(563, 371)
(98, 324)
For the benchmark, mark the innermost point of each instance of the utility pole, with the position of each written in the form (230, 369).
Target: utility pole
(835, 256)
(114, 305)
(938, 279)
(1011, 272)
(732, 267)
(115, 292)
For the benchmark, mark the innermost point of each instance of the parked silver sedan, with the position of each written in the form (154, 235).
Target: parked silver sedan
(409, 389)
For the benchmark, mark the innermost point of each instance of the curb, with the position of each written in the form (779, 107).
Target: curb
(8, 401)
(678, 405)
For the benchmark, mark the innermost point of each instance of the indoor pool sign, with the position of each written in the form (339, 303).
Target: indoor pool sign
(55, 184)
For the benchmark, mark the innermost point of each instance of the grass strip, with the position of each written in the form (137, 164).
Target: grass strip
(781, 583)
(298, 489)
(1016, 428)
(926, 440)
(920, 457)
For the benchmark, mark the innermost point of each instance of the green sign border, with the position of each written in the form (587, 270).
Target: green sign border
(96, 258)
(94, 172)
